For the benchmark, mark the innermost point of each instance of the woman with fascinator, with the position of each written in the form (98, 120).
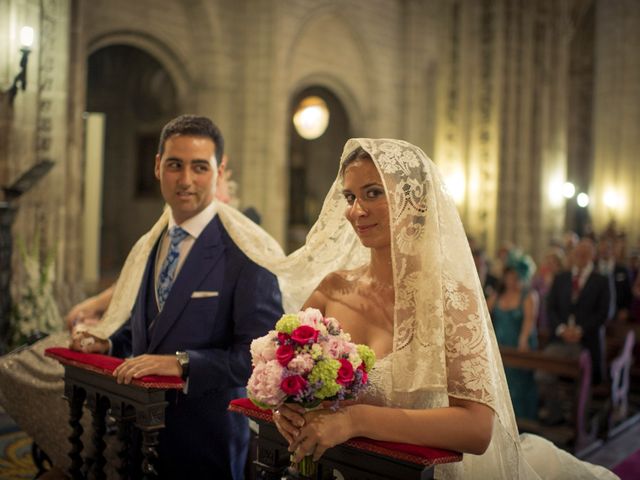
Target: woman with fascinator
(395, 269)
(513, 310)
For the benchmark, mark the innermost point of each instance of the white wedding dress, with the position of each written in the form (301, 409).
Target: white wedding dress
(542, 459)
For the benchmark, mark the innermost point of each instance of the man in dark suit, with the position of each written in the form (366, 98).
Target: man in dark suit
(200, 304)
(578, 305)
(619, 278)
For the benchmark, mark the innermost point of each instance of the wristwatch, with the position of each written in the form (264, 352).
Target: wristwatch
(183, 360)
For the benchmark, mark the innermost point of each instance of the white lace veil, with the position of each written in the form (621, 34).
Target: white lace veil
(444, 343)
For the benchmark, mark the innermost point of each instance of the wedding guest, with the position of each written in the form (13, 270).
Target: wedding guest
(414, 297)
(551, 265)
(578, 306)
(513, 310)
(619, 278)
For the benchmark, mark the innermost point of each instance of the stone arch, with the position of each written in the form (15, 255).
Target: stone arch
(347, 77)
(156, 49)
(136, 96)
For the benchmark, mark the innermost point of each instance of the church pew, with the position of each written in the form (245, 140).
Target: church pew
(580, 435)
(612, 396)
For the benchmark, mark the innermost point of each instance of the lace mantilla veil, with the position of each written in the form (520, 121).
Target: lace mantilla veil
(444, 344)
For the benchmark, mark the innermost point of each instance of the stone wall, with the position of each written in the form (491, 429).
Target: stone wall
(39, 126)
(483, 86)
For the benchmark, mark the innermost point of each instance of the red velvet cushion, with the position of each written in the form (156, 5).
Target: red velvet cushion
(105, 365)
(402, 451)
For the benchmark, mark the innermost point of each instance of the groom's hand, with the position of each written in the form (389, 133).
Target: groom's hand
(147, 365)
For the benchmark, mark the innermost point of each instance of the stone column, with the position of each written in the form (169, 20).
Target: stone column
(617, 116)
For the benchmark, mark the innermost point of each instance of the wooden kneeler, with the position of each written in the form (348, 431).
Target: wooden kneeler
(358, 458)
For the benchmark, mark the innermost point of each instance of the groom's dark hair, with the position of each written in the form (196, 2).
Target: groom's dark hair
(196, 126)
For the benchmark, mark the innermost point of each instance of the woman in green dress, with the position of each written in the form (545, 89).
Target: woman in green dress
(513, 311)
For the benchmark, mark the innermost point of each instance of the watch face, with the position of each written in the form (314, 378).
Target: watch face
(183, 358)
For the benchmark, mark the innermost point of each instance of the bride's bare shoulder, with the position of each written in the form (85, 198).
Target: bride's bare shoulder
(334, 285)
(341, 280)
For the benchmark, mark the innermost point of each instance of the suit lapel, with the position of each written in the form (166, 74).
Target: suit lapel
(139, 314)
(587, 285)
(203, 257)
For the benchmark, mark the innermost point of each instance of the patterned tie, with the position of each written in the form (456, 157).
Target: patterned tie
(168, 270)
(575, 286)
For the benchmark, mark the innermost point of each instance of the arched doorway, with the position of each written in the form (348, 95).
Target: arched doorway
(137, 97)
(313, 164)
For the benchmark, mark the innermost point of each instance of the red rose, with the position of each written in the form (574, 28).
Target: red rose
(284, 354)
(304, 334)
(282, 338)
(345, 374)
(293, 385)
(365, 375)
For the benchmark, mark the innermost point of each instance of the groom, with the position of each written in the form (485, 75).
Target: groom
(200, 304)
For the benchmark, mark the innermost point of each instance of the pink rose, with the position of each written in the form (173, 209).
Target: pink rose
(293, 385)
(310, 316)
(302, 363)
(334, 347)
(304, 334)
(365, 375)
(345, 374)
(284, 354)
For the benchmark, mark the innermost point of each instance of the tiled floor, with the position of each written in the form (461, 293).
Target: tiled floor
(618, 448)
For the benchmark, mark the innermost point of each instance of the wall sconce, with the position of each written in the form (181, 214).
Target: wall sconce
(20, 80)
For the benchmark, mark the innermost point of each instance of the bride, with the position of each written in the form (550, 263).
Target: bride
(417, 302)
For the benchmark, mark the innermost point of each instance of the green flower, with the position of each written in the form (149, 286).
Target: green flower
(367, 355)
(316, 351)
(287, 323)
(326, 371)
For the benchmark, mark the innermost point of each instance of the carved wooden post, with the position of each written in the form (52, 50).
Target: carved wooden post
(150, 419)
(125, 434)
(150, 444)
(98, 405)
(76, 398)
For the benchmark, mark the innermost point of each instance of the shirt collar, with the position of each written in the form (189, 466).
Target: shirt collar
(196, 224)
(586, 271)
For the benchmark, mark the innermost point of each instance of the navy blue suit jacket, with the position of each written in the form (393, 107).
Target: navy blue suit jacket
(201, 438)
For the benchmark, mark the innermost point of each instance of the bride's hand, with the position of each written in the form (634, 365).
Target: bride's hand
(288, 420)
(323, 429)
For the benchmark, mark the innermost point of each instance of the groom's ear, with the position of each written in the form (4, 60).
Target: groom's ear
(157, 166)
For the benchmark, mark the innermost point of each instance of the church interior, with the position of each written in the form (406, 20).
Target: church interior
(529, 108)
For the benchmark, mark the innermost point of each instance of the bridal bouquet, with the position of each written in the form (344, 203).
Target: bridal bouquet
(307, 359)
